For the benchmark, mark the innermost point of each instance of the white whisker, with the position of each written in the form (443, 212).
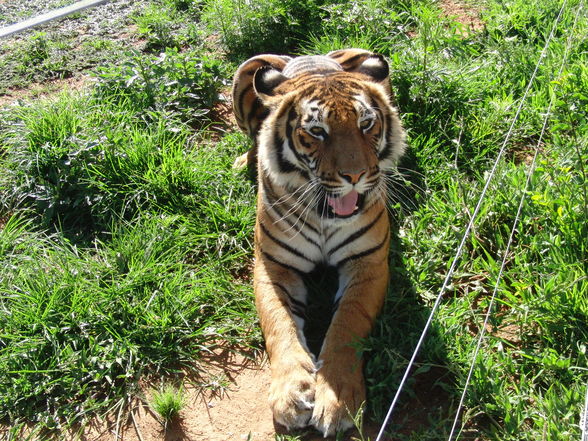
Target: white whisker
(306, 203)
(299, 201)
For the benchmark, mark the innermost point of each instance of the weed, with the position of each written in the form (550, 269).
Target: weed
(248, 28)
(217, 384)
(168, 402)
(367, 24)
(41, 57)
(162, 26)
(180, 84)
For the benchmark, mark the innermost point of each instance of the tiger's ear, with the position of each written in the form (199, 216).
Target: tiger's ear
(265, 81)
(376, 67)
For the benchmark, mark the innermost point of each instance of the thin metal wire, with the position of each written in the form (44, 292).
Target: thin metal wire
(468, 229)
(584, 418)
(513, 229)
(503, 264)
(498, 278)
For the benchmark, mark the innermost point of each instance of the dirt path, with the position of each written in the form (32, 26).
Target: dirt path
(462, 12)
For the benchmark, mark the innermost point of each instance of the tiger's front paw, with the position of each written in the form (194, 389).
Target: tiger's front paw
(292, 394)
(337, 399)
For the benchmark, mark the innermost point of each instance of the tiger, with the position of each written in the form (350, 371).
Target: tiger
(325, 135)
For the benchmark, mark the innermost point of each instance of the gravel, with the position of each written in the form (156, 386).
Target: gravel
(104, 20)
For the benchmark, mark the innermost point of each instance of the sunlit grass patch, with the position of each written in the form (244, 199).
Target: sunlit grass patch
(168, 402)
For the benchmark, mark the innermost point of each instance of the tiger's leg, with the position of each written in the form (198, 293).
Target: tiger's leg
(280, 297)
(340, 388)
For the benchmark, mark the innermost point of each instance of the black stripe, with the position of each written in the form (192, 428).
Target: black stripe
(291, 116)
(282, 264)
(377, 136)
(268, 187)
(286, 219)
(296, 306)
(327, 185)
(320, 101)
(255, 107)
(366, 252)
(357, 282)
(297, 303)
(284, 165)
(305, 144)
(351, 60)
(374, 103)
(372, 180)
(289, 131)
(332, 233)
(357, 234)
(272, 196)
(297, 312)
(269, 190)
(381, 116)
(284, 245)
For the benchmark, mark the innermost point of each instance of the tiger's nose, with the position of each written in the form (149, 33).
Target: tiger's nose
(352, 177)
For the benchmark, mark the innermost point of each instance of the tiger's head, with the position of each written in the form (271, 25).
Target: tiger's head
(330, 135)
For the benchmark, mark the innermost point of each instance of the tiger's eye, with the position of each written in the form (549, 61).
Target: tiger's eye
(366, 124)
(318, 131)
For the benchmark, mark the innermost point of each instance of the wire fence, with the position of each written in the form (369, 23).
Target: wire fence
(448, 278)
(584, 418)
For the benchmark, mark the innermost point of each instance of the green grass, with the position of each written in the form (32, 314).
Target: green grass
(168, 402)
(125, 245)
(61, 50)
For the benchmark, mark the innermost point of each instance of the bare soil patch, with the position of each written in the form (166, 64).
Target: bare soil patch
(464, 13)
(46, 89)
(238, 412)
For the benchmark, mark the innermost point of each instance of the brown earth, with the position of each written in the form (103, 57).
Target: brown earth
(47, 89)
(464, 13)
(236, 411)
(233, 411)
(233, 406)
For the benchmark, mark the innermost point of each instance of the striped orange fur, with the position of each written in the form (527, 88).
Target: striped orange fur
(325, 135)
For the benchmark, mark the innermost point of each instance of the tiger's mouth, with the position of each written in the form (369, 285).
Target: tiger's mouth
(344, 206)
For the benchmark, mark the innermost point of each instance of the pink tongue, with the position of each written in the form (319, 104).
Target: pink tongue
(345, 205)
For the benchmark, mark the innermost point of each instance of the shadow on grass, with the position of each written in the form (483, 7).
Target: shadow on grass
(426, 401)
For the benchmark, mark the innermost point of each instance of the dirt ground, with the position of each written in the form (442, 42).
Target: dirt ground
(239, 412)
(464, 13)
(235, 413)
